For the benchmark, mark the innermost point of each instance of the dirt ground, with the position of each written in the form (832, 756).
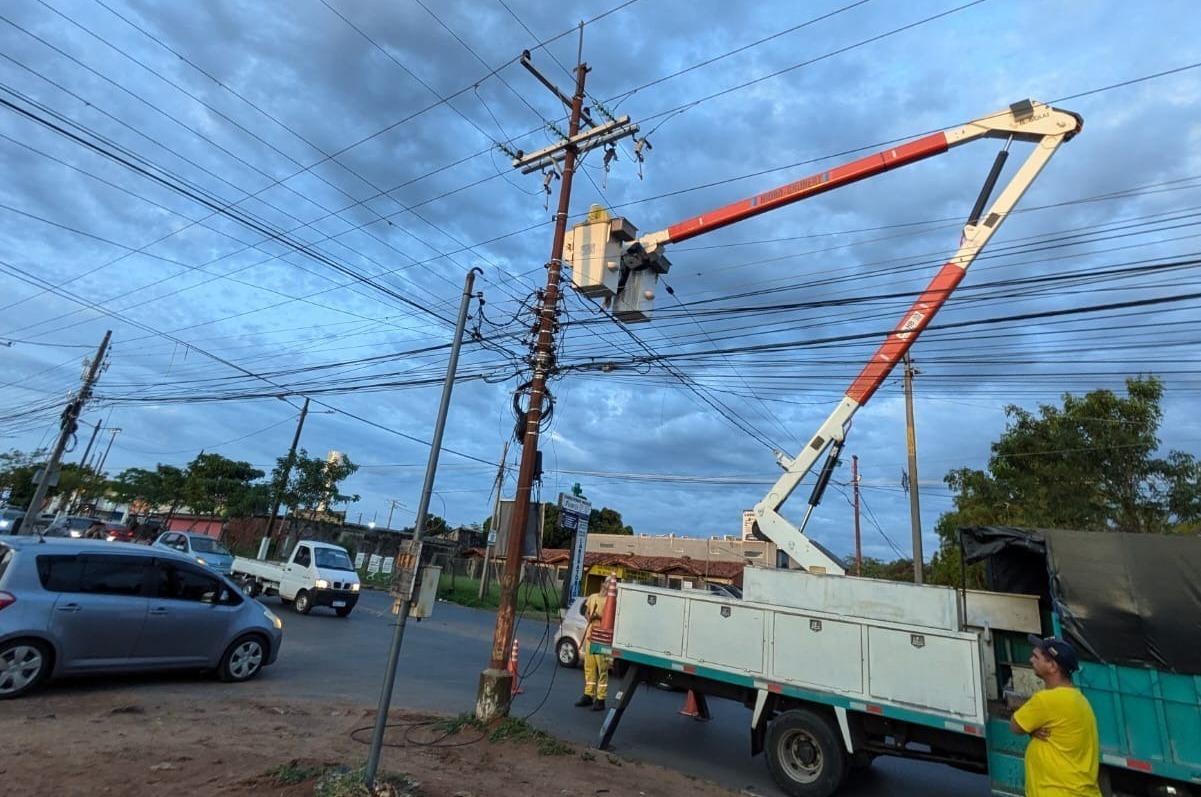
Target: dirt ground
(122, 742)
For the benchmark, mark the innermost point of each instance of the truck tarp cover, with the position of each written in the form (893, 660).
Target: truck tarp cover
(1132, 599)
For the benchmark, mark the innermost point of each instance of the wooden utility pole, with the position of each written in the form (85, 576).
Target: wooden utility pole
(282, 483)
(68, 425)
(915, 516)
(495, 691)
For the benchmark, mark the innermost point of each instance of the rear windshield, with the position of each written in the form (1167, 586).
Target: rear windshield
(208, 545)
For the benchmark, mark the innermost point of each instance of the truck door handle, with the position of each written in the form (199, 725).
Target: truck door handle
(70, 607)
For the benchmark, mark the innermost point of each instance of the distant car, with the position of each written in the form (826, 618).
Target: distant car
(69, 525)
(72, 607)
(570, 636)
(115, 532)
(199, 547)
(10, 520)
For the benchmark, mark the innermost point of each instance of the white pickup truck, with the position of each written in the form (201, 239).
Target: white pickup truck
(317, 574)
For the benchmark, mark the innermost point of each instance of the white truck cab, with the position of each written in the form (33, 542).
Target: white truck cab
(316, 574)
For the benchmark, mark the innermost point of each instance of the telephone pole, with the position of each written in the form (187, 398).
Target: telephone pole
(68, 424)
(855, 490)
(283, 479)
(495, 689)
(915, 518)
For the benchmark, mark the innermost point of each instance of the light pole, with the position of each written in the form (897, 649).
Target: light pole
(393, 503)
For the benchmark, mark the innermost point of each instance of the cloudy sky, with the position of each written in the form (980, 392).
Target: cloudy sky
(282, 199)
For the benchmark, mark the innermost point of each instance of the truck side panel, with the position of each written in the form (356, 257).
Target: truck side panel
(1149, 717)
(908, 666)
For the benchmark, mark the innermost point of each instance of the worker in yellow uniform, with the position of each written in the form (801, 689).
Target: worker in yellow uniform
(1064, 752)
(596, 667)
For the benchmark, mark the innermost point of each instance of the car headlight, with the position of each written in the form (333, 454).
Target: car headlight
(354, 587)
(321, 583)
(273, 618)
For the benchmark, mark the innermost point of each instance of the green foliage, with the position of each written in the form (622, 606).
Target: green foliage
(607, 521)
(347, 782)
(160, 487)
(215, 484)
(16, 474)
(293, 772)
(512, 729)
(312, 481)
(899, 570)
(1088, 465)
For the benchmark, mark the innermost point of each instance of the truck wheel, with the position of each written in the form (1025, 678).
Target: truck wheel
(251, 587)
(243, 659)
(804, 754)
(303, 604)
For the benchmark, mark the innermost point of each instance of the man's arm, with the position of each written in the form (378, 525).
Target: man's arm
(1033, 715)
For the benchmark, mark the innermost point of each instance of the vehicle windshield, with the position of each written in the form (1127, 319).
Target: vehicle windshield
(333, 559)
(209, 545)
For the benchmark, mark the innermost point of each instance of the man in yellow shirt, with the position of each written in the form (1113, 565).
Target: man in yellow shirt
(1063, 755)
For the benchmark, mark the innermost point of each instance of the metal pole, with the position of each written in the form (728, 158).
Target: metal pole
(431, 468)
(68, 426)
(494, 694)
(83, 461)
(500, 483)
(108, 448)
(915, 515)
(283, 480)
(855, 490)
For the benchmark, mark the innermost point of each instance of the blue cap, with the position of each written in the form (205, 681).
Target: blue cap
(1057, 651)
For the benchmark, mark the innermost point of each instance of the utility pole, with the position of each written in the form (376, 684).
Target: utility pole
(495, 691)
(500, 483)
(423, 508)
(283, 479)
(855, 492)
(68, 424)
(392, 502)
(100, 467)
(83, 461)
(915, 517)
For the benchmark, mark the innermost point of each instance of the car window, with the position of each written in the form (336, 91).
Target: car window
(179, 582)
(333, 559)
(303, 557)
(208, 545)
(80, 522)
(113, 575)
(59, 573)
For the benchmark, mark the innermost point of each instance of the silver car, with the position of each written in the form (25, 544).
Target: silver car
(570, 636)
(199, 547)
(75, 607)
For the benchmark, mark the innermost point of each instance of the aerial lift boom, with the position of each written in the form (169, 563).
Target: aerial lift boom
(1029, 121)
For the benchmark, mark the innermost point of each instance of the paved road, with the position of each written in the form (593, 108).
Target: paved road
(328, 658)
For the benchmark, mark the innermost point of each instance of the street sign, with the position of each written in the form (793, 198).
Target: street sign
(574, 512)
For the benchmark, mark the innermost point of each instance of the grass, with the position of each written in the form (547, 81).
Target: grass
(466, 592)
(346, 782)
(509, 729)
(291, 773)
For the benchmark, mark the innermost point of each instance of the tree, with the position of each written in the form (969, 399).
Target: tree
(607, 521)
(216, 485)
(161, 487)
(1089, 465)
(313, 482)
(16, 474)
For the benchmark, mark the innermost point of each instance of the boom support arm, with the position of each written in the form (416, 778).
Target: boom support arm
(1047, 128)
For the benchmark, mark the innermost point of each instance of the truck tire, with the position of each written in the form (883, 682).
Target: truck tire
(805, 755)
(303, 604)
(251, 586)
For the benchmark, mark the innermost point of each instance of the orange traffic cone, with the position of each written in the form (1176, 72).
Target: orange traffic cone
(604, 634)
(513, 671)
(692, 709)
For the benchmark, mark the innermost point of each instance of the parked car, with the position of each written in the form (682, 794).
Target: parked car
(69, 525)
(73, 606)
(199, 547)
(570, 636)
(113, 532)
(10, 520)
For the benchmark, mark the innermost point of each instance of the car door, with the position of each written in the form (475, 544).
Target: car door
(100, 610)
(186, 624)
(296, 572)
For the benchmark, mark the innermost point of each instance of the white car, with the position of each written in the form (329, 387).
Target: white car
(570, 636)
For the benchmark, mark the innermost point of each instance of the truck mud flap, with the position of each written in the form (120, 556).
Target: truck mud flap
(634, 676)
